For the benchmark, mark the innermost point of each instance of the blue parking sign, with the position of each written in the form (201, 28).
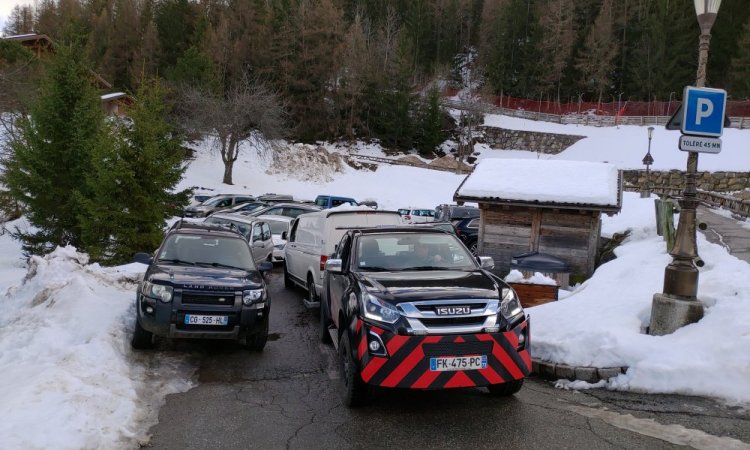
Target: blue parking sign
(703, 111)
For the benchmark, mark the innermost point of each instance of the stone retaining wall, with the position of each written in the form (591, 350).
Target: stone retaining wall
(549, 143)
(706, 181)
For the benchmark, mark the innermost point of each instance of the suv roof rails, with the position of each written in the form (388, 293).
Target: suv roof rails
(183, 225)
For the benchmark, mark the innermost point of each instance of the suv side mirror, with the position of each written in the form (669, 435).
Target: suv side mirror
(284, 235)
(265, 266)
(486, 262)
(143, 258)
(334, 266)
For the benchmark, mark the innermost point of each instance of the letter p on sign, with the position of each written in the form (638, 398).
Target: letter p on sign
(703, 111)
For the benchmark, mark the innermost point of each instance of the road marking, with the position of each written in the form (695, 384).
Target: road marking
(675, 434)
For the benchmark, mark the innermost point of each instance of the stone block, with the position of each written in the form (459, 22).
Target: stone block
(606, 373)
(546, 370)
(565, 371)
(587, 374)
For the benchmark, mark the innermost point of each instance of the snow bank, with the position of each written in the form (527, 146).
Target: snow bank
(515, 276)
(553, 181)
(602, 322)
(68, 378)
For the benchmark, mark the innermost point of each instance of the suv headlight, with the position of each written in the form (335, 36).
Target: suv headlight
(160, 291)
(510, 306)
(252, 296)
(374, 308)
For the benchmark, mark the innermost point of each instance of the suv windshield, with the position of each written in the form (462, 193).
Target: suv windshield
(208, 250)
(412, 251)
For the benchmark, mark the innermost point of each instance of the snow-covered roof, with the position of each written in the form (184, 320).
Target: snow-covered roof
(113, 96)
(572, 184)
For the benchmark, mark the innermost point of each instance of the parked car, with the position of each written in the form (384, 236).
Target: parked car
(468, 231)
(454, 213)
(244, 207)
(443, 226)
(416, 215)
(285, 209)
(216, 203)
(332, 201)
(256, 231)
(202, 282)
(279, 227)
(411, 308)
(313, 238)
(272, 198)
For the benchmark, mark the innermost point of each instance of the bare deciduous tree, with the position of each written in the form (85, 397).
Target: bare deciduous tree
(248, 111)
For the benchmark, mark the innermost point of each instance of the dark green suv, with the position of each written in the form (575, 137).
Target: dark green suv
(202, 283)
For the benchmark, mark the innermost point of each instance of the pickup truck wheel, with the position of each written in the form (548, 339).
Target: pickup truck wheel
(354, 391)
(325, 322)
(288, 283)
(257, 341)
(142, 339)
(505, 389)
(312, 295)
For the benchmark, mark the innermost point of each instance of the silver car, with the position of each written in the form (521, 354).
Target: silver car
(216, 203)
(256, 231)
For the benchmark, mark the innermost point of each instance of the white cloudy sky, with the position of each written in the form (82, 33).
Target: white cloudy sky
(6, 6)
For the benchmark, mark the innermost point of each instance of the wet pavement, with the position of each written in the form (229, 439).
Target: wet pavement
(286, 397)
(731, 233)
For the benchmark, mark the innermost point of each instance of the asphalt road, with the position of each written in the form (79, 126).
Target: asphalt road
(286, 397)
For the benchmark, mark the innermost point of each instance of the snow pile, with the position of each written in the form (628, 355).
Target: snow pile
(515, 276)
(551, 181)
(305, 162)
(602, 323)
(67, 375)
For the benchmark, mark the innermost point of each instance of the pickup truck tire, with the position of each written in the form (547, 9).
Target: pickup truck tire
(505, 389)
(257, 341)
(325, 322)
(354, 391)
(142, 339)
(288, 283)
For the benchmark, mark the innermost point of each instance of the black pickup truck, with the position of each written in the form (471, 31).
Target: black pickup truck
(410, 307)
(202, 283)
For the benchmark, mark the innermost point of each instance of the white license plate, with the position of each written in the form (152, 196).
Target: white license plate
(453, 363)
(192, 319)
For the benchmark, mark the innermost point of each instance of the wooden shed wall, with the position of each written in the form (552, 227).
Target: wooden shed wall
(570, 235)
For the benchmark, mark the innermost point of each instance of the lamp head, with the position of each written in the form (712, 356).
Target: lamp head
(706, 11)
(650, 132)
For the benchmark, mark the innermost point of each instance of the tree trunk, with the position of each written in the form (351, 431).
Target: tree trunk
(228, 171)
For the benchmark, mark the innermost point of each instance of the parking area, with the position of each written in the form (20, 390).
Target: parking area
(286, 397)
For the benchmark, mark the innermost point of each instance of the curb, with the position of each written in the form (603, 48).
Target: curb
(554, 371)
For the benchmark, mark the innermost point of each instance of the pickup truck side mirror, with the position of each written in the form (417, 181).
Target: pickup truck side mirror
(486, 262)
(334, 266)
(143, 258)
(284, 235)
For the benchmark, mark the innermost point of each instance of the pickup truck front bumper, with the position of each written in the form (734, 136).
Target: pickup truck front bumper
(407, 361)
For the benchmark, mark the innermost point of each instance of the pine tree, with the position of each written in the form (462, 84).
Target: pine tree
(739, 75)
(132, 181)
(52, 154)
(596, 61)
(430, 132)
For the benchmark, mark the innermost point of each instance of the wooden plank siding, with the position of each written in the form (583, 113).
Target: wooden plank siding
(571, 235)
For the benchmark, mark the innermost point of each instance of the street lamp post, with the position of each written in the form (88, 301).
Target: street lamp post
(679, 304)
(647, 161)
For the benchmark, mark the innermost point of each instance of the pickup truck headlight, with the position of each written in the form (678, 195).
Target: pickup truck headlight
(160, 291)
(510, 306)
(252, 296)
(374, 308)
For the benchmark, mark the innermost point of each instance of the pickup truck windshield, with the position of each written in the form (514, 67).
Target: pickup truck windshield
(412, 251)
(221, 251)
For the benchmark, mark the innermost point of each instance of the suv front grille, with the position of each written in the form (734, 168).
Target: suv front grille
(225, 299)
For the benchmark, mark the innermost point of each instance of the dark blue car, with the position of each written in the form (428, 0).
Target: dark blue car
(332, 201)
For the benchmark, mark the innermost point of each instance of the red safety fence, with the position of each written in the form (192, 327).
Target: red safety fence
(618, 108)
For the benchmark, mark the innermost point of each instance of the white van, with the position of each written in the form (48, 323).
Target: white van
(314, 236)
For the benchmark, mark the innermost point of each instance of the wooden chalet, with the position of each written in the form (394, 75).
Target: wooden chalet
(114, 104)
(548, 206)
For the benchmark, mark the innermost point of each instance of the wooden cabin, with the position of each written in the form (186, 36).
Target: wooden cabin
(114, 104)
(548, 206)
